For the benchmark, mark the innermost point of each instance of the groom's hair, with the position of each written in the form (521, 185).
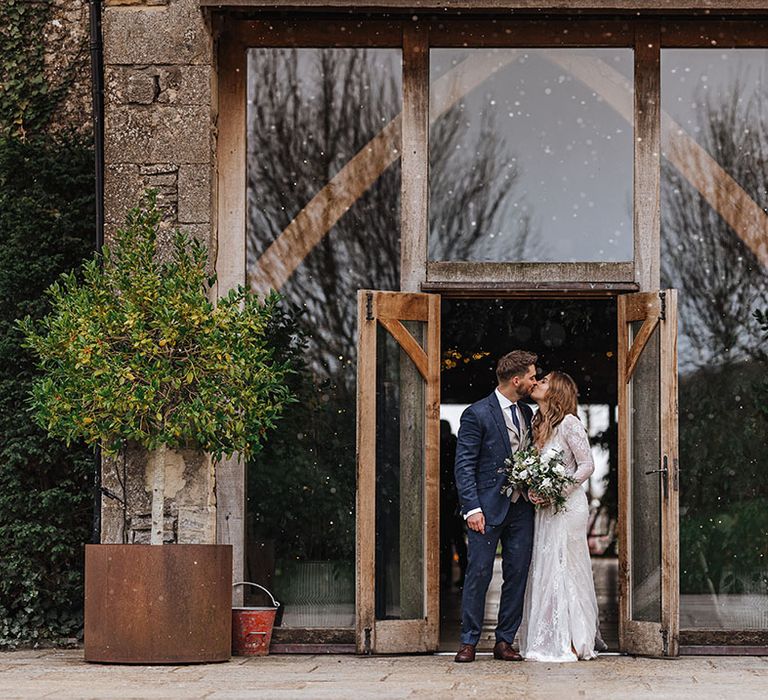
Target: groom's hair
(513, 364)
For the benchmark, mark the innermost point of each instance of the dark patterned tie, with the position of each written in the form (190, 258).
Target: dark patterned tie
(514, 418)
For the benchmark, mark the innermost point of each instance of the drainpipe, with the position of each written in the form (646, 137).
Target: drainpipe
(97, 93)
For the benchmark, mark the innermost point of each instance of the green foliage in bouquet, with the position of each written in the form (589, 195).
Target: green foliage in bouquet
(137, 352)
(545, 474)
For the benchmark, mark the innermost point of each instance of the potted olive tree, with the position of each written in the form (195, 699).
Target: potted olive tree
(135, 354)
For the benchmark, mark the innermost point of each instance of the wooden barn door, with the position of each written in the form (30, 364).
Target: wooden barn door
(398, 438)
(648, 474)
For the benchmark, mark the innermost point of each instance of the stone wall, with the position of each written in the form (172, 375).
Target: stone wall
(159, 126)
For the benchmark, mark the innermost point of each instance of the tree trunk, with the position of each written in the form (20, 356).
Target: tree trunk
(157, 472)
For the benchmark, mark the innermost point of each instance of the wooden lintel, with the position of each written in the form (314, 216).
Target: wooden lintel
(654, 6)
(560, 290)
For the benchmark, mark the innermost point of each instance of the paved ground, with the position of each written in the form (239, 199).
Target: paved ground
(63, 674)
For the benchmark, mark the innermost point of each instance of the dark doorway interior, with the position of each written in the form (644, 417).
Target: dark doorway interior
(574, 335)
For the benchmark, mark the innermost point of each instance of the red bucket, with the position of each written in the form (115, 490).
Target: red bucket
(252, 627)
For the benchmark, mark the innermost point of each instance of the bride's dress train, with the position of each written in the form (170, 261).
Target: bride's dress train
(560, 612)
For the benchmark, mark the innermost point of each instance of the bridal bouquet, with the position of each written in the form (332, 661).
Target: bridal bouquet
(545, 474)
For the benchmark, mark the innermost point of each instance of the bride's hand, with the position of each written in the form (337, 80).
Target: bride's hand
(537, 500)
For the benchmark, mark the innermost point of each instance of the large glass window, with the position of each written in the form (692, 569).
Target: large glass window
(530, 155)
(714, 193)
(324, 213)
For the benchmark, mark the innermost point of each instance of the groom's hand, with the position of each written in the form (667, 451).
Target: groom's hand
(476, 522)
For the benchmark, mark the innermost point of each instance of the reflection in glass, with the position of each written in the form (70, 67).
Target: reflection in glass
(714, 199)
(531, 155)
(309, 112)
(399, 479)
(646, 488)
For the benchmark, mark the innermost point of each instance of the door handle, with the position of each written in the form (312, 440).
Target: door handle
(665, 471)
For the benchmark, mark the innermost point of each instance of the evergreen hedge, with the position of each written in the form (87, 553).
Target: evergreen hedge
(46, 228)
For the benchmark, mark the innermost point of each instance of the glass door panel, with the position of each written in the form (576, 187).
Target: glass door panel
(397, 473)
(400, 423)
(645, 451)
(648, 546)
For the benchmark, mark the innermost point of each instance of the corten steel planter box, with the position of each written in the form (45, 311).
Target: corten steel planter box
(158, 604)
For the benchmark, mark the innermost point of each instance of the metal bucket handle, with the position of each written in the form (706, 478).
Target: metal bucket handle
(248, 583)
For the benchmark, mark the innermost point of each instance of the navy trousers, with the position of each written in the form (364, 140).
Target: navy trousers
(516, 536)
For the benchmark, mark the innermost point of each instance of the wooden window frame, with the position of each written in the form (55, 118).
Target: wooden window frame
(647, 34)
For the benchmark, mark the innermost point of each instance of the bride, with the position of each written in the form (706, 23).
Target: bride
(560, 618)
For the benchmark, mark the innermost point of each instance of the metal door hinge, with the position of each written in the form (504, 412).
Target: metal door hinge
(663, 311)
(664, 642)
(369, 306)
(367, 644)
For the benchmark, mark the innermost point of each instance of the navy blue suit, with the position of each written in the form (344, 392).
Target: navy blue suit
(482, 447)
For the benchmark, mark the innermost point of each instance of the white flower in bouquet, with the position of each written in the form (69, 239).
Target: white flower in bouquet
(550, 454)
(545, 474)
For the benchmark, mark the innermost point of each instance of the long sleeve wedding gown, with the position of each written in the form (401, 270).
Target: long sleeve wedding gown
(560, 611)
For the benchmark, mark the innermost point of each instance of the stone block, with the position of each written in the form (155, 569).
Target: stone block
(157, 134)
(194, 194)
(142, 88)
(122, 190)
(196, 525)
(159, 169)
(185, 85)
(148, 3)
(171, 85)
(173, 33)
(125, 183)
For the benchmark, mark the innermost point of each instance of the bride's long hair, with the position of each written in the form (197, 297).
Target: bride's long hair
(562, 400)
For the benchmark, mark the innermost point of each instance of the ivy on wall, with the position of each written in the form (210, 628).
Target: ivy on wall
(46, 228)
(24, 100)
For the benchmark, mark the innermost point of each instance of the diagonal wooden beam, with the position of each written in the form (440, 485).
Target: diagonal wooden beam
(638, 345)
(726, 196)
(408, 343)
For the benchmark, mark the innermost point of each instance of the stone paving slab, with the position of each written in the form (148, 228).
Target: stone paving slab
(64, 674)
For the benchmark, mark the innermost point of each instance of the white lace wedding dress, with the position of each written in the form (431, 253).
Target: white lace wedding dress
(560, 612)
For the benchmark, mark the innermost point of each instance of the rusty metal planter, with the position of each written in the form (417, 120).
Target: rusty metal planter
(162, 604)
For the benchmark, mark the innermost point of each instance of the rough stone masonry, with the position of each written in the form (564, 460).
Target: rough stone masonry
(159, 127)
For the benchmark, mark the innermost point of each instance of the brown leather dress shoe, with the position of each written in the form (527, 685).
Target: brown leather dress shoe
(504, 652)
(465, 654)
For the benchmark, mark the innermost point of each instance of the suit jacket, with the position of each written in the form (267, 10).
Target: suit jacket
(483, 445)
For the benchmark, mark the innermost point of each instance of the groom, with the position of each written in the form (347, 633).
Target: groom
(491, 430)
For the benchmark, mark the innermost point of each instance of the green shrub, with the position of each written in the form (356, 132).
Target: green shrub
(137, 352)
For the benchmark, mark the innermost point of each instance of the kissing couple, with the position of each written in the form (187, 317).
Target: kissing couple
(548, 592)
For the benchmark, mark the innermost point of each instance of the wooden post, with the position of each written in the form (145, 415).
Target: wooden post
(647, 218)
(414, 200)
(230, 269)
